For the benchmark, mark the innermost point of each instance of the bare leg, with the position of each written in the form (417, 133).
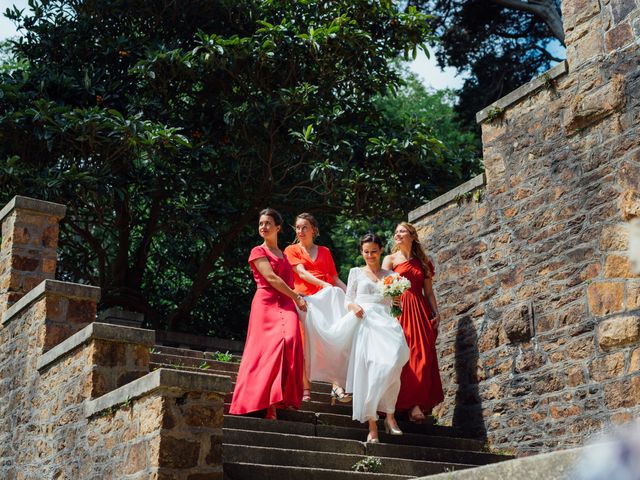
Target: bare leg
(373, 432)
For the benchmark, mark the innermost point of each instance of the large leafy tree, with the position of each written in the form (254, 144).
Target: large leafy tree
(410, 104)
(499, 44)
(166, 126)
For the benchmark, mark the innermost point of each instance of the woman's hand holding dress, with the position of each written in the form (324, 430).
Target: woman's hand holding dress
(356, 309)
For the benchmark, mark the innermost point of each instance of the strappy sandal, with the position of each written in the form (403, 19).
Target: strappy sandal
(338, 393)
(417, 418)
(306, 395)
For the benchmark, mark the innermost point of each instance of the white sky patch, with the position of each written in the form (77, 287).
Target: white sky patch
(7, 28)
(432, 75)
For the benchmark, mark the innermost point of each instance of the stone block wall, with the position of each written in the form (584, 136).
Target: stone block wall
(540, 341)
(78, 400)
(169, 432)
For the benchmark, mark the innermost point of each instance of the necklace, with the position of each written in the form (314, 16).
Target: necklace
(371, 272)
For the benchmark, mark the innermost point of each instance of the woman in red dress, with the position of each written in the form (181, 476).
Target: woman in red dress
(313, 270)
(270, 373)
(421, 387)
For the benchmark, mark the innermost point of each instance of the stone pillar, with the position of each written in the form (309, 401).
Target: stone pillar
(29, 246)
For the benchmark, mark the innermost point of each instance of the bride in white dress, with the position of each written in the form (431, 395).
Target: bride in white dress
(357, 343)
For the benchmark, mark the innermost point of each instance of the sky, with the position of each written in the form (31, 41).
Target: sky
(426, 69)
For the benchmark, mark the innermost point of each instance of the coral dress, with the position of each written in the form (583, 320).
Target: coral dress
(271, 368)
(420, 381)
(323, 267)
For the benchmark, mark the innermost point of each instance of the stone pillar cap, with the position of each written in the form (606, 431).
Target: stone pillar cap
(34, 205)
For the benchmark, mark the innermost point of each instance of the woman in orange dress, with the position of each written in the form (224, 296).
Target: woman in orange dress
(270, 373)
(421, 387)
(313, 270)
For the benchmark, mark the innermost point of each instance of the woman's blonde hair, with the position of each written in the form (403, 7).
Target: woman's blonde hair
(416, 249)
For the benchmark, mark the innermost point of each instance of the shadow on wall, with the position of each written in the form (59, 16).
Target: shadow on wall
(467, 413)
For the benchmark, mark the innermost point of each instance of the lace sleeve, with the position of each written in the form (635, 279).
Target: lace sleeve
(352, 286)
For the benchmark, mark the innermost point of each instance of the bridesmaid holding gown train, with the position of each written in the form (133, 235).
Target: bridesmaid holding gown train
(270, 373)
(421, 388)
(313, 270)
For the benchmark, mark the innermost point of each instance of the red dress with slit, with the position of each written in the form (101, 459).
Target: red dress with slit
(270, 372)
(420, 382)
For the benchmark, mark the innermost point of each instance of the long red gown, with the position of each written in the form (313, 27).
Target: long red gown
(270, 372)
(420, 382)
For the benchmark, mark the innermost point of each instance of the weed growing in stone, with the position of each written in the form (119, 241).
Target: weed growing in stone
(204, 366)
(368, 464)
(495, 113)
(222, 357)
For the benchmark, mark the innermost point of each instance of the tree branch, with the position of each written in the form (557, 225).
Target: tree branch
(543, 9)
(201, 279)
(142, 252)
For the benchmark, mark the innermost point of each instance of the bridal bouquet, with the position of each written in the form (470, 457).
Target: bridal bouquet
(394, 285)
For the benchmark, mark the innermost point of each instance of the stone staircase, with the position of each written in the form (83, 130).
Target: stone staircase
(320, 441)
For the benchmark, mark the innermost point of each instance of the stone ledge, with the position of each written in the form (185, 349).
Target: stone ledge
(34, 205)
(97, 331)
(158, 379)
(448, 197)
(523, 91)
(56, 287)
(547, 466)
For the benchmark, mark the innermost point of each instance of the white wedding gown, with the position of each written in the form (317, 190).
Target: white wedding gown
(365, 355)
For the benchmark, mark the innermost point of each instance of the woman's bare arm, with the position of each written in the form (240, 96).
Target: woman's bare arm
(264, 267)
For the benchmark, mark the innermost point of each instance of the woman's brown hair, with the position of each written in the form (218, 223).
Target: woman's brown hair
(416, 249)
(312, 220)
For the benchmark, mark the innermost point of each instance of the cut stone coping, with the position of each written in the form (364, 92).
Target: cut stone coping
(97, 331)
(159, 379)
(546, 466)
(450, 196)
(56, 287)
(523, 91)
(34, 205)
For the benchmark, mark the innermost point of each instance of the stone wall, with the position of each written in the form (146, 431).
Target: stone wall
(540, 341)
(78, 400)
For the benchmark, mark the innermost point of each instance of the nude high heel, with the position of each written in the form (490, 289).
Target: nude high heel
(391, 430)
(372, 439)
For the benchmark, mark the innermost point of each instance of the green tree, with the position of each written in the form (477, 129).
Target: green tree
(165, 127)
(412, 104)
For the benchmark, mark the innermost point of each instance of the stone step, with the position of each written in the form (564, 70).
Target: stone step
(436, 441)
(202, 363)
(345, 420)
(189, 353)
(234, 453)
(252, 471)
(213, 367)
(356, 432)
(317, 407)
(355, 447)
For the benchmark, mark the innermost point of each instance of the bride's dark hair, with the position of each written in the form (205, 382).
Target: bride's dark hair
(371, 237)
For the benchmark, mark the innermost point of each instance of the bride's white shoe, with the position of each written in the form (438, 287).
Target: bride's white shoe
(372, 439)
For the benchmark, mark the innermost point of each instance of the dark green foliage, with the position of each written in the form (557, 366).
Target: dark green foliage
(459, 161)
(165, 127)
(498, 47)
